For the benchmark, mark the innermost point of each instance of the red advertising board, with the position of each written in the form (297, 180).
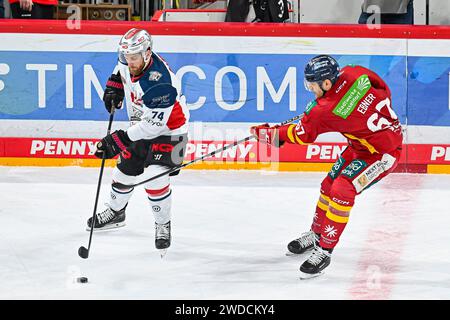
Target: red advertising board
(61, 148)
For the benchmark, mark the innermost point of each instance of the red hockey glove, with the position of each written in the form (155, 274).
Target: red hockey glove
(267, 134)
(112, 144)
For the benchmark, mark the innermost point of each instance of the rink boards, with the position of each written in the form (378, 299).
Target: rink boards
(51, 84)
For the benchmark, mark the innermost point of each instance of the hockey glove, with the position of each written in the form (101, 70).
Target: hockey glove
(267, 134)
(112, 144)
(114, 92)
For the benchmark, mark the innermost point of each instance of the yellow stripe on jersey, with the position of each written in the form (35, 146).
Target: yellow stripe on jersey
(323, 202)
(322, 206)
(340, 207)
(292, 136)
(336, 218)
(299, 141)
(364, 142)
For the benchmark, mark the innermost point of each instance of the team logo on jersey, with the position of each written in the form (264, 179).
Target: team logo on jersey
(331, 231)
(154, 76)
(136, 98)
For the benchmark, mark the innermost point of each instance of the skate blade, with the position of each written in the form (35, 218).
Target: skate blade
(162, 252)
(291, 254)
(306, 276)
(110, 227)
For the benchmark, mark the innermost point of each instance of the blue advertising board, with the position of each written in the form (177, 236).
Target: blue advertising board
(231, 87)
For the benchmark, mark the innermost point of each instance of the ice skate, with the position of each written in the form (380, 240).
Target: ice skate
(162, 237)
(318, 260)
(107, 219)
(302, 244)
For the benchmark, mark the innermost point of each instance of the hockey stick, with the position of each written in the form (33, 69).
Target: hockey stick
(119, 185)
(82, 251)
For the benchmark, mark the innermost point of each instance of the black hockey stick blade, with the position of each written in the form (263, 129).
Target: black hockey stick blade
(83, 252)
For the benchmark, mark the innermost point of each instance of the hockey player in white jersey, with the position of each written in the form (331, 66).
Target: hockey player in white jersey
(156, 138)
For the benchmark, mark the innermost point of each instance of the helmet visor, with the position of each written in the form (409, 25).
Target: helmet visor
(127, 58)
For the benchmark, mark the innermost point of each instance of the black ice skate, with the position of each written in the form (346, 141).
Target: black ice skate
(318, 260)
(162, 237)
(107, 219)
(303, 244)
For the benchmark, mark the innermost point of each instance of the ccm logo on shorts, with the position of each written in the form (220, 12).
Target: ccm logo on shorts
(162, 147)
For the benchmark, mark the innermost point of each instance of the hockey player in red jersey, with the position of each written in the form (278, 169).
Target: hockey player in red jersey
(355, 102)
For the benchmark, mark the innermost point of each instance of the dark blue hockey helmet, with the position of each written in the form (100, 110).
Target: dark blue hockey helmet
(321, 68)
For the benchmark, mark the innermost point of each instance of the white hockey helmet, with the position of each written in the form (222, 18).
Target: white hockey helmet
(135, 41)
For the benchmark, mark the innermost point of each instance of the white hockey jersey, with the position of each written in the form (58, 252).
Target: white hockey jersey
(154, 101)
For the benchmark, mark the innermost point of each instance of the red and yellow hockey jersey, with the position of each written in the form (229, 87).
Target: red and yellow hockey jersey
(359, 107)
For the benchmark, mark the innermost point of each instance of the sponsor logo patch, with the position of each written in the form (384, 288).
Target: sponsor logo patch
(161, 100)
(363, 181)
(334, 172)
(351, 99)
(371, 174)
(354, 168)
(153, 122)
(310, 105)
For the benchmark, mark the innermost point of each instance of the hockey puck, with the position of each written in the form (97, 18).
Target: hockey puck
(82, 280)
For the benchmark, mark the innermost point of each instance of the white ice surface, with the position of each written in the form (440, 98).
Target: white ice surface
(230, 230)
